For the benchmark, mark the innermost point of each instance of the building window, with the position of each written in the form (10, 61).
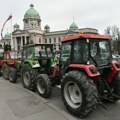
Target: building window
(50, 40)
(32, 25)
(55, 47)
(45, 40)
(39, 40)
(54, 40)
(59, 39)
(38, 23)
(26, 22)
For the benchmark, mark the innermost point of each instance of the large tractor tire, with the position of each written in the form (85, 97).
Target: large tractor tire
(78, 93)
(116, 86)
(29, 76)
(0, 72)
(44, 85)
(13, 75)
(5, 71)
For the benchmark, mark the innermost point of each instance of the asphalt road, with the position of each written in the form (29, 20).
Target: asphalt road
(112, 112)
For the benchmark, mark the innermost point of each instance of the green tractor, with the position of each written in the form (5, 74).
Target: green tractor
(36, 59)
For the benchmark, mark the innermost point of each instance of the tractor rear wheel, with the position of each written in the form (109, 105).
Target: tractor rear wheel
(29, 76)
(78, 93)
(13, 75)
(44, 87)
(5, 70)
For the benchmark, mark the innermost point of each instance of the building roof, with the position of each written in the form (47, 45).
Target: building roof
(87, 36)
(31, 12)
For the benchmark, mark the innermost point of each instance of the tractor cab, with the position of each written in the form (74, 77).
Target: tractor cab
(86, 50)
(43, 53)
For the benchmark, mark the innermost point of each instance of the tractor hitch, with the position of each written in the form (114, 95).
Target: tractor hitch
(103, 105)
(100, 102)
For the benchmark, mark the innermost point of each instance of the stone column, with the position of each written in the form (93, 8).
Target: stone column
(29, 23)
(15, 43)
(21, 41)
(25, 40)
(11, 42)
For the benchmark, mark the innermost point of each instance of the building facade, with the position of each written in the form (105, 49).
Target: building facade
(32, 32)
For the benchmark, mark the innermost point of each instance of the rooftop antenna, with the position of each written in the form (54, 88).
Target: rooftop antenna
(73, 19)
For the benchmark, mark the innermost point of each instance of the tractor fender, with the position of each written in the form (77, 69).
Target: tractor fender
(12, 62)
(32, 63)
(111, 73)
(90, 69)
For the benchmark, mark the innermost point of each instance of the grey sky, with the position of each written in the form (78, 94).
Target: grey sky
(58, 14)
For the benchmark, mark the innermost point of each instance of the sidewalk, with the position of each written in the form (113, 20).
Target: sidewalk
(17, 103)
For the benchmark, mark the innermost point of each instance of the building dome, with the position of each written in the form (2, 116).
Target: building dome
(16, 26)
(7, 36)
(73, 26)
(47, 28)
(31, 12)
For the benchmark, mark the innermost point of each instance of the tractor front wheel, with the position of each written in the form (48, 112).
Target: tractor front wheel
(5, 70)
(29, 76)
(13, 75)
(44, 85)
(78, 93)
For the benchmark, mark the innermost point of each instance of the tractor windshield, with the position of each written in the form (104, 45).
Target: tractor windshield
(43, 52)
(15, 54)
(78, 53)
(100, 52)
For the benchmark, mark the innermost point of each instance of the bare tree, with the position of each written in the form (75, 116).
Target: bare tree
(114, 33)
(108, 30)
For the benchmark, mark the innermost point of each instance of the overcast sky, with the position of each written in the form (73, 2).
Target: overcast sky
(58, 14)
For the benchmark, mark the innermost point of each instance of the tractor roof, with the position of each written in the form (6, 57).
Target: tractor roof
(87, 36)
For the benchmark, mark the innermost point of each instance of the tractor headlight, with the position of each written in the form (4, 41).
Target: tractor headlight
(93, 70)
(34, 62)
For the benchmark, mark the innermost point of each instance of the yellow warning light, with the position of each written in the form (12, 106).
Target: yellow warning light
(81, 34)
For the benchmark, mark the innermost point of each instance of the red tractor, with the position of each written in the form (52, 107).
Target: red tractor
(8, 60)
(86, 72)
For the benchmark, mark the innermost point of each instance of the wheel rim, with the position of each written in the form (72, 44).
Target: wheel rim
(41, 86)
(73, 94)
(26, 78)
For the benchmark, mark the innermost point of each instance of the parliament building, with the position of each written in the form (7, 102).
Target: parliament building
(32, 32)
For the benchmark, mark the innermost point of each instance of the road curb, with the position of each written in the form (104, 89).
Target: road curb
(65, 114)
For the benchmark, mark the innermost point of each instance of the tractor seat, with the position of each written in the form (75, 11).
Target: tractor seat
(44, 62)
